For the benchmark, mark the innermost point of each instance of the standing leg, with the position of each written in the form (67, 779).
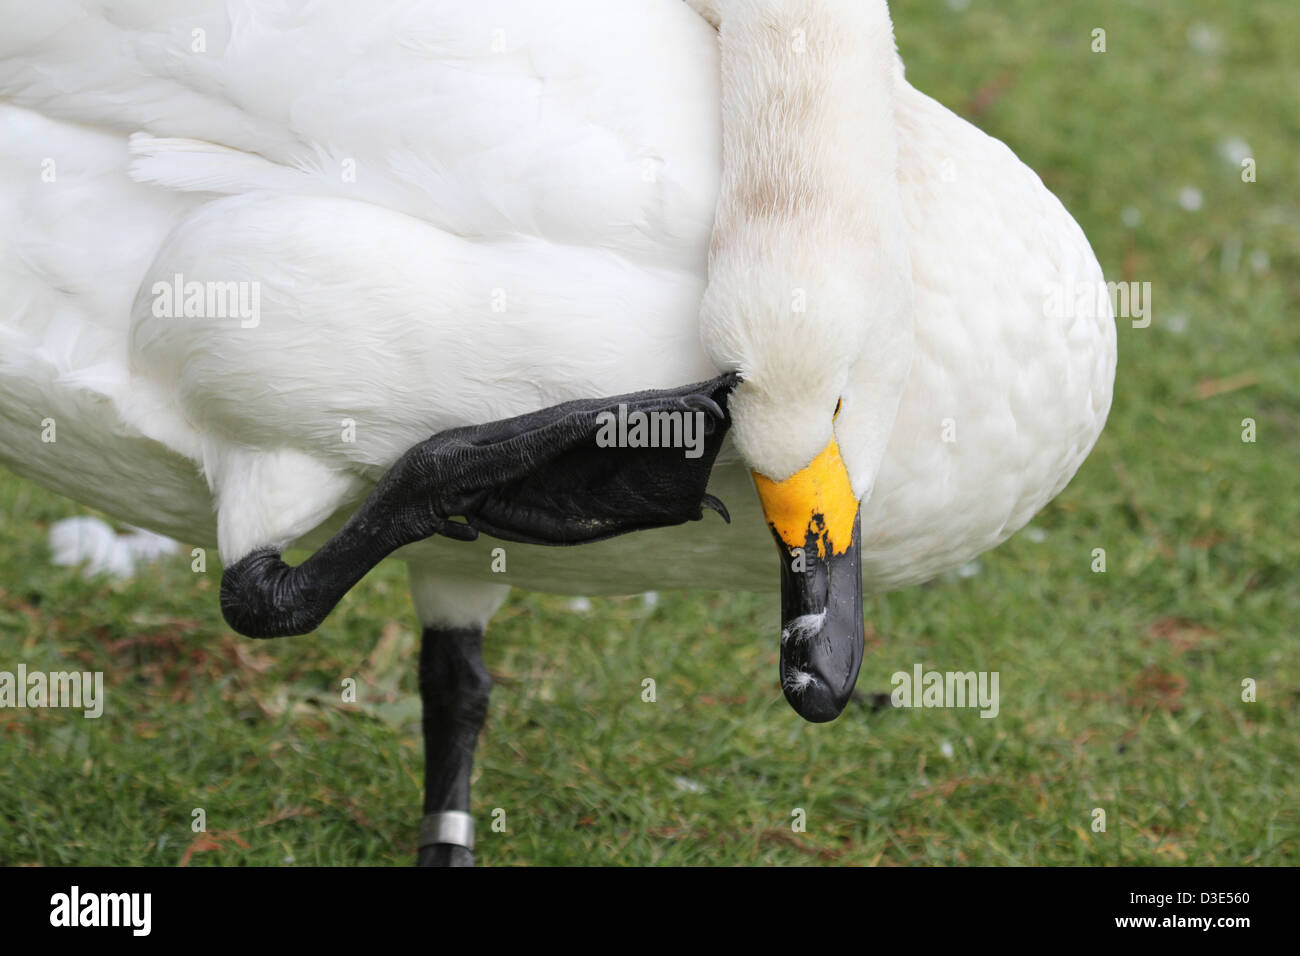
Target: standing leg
(454, 689)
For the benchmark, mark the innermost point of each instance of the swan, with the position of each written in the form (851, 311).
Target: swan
(370, 281)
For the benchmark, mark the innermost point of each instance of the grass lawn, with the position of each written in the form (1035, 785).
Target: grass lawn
(1120, 690)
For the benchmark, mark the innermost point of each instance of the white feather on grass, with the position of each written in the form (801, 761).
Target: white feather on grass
(93, 543)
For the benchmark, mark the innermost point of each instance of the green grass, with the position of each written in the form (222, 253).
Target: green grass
(1119, 691)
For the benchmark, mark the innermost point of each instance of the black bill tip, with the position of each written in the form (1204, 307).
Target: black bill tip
(821, 628)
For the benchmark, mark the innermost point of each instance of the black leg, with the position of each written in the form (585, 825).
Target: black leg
(454, 688)
(542, 478)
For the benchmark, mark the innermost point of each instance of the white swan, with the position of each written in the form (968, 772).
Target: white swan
(452, 213)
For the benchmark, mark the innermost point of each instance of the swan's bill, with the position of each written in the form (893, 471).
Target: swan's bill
(815, 521)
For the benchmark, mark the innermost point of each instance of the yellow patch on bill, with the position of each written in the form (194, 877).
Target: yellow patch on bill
(819, 499)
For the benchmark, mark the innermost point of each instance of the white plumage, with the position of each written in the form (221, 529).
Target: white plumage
(457, 212)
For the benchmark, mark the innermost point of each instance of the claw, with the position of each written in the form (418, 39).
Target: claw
(703, 403)
(458, 530)
(715, 504)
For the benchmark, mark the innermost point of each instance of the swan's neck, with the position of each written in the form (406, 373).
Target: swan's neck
(808, 263)
(808, 143)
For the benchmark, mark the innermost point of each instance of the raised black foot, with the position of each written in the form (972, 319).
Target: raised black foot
(574, 473)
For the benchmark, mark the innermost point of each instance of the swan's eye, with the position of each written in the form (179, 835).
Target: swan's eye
(838, 403)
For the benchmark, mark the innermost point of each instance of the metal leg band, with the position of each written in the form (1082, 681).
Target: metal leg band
(455, 827)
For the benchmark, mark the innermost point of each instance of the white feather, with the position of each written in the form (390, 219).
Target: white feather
(803, 627)
(93, 543)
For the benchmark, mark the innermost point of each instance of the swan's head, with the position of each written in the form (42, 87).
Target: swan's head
(809, 299)
(823, 361)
